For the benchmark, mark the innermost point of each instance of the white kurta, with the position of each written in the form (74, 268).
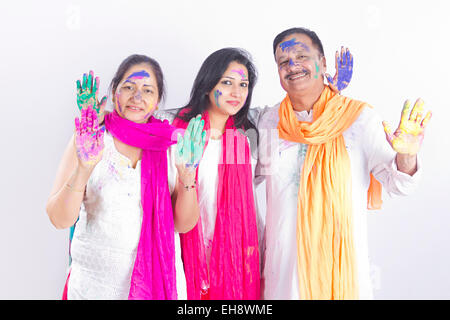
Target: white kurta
(107, 233)
(281, 161)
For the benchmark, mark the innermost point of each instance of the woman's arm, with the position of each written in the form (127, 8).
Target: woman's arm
(189, 151)
(67, 193)
(184, 201)
(81, 156)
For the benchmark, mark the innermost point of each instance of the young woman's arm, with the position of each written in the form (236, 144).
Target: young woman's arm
(189, 151)
(83, 152)
(184, 202)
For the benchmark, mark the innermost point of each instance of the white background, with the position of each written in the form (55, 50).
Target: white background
(401, 50)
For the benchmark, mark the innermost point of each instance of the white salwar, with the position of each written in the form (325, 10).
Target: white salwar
(280, 163)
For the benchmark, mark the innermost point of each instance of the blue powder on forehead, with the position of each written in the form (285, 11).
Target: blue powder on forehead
(140, 74)
(292, 43)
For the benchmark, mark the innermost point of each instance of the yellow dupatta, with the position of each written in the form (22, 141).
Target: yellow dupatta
(326, 254)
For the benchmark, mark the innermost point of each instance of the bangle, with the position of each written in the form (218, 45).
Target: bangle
(187, 187)
(71, 188)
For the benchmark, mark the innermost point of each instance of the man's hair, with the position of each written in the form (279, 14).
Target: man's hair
(311, 34)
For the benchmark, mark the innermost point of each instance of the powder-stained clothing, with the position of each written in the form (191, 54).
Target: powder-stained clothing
(106, 236)
(280, 163)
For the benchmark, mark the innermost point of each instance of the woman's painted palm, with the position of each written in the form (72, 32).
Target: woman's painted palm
(190, 145)
(88, 138)
(87, 93)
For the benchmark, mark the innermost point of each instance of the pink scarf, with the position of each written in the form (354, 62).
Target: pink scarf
(154, 268)
(234, 263)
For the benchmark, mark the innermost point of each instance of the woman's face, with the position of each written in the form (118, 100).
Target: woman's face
(230, 93)
(136, 96)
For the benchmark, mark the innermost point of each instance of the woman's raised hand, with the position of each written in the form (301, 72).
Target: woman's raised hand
(189, 149)
(87, 93)
(88, 138)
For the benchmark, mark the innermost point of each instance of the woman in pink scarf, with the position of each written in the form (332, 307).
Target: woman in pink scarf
(118, 183)
(221, 254)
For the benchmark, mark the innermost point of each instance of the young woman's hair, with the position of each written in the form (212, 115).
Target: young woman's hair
(210, 74)
(311, 34)
(136, 59)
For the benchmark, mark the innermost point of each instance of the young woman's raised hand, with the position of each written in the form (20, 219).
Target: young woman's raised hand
(190, 149)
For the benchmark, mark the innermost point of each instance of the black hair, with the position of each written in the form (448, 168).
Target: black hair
(210, 74)
(136, 59)
(311, 34)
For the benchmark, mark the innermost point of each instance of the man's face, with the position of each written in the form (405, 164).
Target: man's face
(300, 65)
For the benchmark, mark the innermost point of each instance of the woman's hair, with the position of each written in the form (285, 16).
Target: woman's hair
(210, 74)
(136, 59)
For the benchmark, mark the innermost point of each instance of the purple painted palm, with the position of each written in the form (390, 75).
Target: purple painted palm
(344, 71)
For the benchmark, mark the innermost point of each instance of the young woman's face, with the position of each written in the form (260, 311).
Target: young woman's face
(136, 96)
(230, 93)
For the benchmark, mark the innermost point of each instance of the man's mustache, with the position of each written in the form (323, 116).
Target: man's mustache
(295, 73)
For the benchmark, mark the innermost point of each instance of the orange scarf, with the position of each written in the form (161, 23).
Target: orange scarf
(326, 254)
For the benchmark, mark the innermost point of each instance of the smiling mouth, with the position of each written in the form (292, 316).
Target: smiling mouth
(233, 103)
(133, 108)
(297, 75)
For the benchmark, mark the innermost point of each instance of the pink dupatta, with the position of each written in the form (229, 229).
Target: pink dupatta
(234, 264)
(153, 274)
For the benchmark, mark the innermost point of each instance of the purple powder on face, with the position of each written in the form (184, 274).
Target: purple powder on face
(118, 103)
(289, 44)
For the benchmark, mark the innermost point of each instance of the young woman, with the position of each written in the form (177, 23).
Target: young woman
(221, 254)
(117, 183)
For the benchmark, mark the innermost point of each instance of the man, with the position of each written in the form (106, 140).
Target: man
(324, 156)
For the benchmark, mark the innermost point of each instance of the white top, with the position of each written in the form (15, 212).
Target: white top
(208, 179)
(281, 164)
(208, 174)
(107, 233)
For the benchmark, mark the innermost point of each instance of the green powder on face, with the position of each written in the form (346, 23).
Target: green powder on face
(317, 71)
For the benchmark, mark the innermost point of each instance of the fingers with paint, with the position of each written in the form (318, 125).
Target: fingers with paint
(344, 70)
(409, 135)
(190, 145)
(87, 92)
(88, 138)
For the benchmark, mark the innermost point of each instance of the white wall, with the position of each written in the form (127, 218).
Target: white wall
(401, 51)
